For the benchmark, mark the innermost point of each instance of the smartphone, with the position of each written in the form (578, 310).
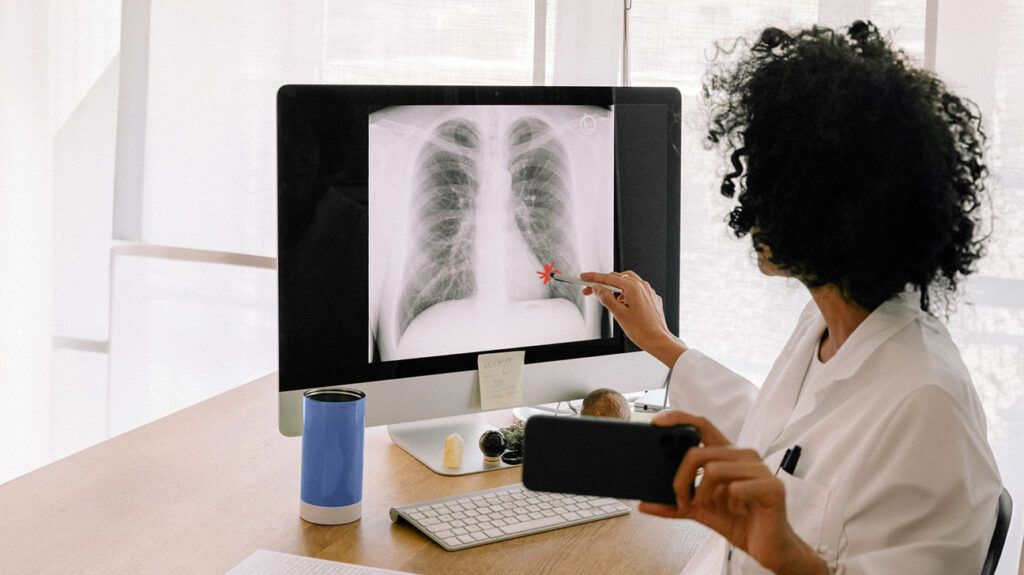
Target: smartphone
(604, 457)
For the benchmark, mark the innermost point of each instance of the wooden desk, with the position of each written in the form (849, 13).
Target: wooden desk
(199, 490)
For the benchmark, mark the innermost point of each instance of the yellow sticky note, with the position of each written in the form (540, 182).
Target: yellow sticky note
(501, 379)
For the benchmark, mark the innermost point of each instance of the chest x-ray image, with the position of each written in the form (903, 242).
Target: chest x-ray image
(466, 205)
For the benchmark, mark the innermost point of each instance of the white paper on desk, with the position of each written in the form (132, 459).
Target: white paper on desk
(263, 562)
(501, 379)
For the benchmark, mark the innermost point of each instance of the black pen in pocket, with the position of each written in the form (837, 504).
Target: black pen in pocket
(789, 460)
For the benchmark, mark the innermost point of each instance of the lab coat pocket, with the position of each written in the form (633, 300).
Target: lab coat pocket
(805, 507)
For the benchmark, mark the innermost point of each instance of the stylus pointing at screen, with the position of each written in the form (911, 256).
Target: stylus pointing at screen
(575, 280)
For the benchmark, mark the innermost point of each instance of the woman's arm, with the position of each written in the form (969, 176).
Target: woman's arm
(639, 312)
(699, 384)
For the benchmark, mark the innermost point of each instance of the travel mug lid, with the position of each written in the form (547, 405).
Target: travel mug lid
(334, 394)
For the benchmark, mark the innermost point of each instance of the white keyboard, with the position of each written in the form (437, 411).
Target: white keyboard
(493, 515)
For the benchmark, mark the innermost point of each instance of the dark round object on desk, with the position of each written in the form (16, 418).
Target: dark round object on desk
(492, 443)
(512, 457)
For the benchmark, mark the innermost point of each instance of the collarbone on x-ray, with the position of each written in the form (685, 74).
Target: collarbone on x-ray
(489, 201)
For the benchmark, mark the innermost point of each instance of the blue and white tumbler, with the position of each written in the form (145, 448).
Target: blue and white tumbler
(332, 455)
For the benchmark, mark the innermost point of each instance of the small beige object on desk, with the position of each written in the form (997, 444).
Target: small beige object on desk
(453, 445)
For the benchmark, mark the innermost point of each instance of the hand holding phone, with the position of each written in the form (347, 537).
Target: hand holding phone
(604, 457)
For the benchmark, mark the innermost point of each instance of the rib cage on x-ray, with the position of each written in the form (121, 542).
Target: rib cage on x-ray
(540, 189)
(441, 265)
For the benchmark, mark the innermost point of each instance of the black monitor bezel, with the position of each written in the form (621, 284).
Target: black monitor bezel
(316, 110)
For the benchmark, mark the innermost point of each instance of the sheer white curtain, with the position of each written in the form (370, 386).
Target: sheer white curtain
(978, 51)
(138, 190)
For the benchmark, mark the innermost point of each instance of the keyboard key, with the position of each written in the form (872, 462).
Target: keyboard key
(459, 531)
(485, 525)
(441, 526)
(466, 539)
(604, 501)
(570, 516)
(585, 513)
(458, 523)
(452, 542)
(499, 522)
(532, 524)
(493, 532)
(428, 521)
(444, 534)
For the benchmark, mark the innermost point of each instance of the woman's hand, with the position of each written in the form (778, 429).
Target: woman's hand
(639, 311)
(738, 497)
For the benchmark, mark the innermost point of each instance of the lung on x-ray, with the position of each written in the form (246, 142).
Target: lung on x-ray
(466, 205)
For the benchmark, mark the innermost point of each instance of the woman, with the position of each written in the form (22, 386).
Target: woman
(860, 176)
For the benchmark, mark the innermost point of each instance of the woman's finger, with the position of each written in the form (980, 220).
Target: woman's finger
(614, 280)
(699, 458)
(764, 491)
(686, 474)
(659, 509)
(609, 300)
(643, 283)
(632, 274)
(719, 474)
(720, 499)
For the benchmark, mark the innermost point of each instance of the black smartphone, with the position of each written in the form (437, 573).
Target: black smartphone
(604, 457)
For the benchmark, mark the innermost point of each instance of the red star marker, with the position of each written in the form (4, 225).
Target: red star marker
(548, 270)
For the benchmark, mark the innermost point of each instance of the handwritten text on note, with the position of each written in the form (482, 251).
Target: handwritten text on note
(501, 379)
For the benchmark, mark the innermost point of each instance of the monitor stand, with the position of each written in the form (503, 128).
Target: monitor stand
(424, 440)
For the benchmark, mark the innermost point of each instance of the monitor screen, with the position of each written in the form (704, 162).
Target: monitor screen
(471, 210)
(419, 225)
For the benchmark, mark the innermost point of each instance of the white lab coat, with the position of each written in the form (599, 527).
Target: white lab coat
(896, 474)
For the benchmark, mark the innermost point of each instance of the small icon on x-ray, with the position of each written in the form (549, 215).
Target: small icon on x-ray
(588, 124)
(549, 271)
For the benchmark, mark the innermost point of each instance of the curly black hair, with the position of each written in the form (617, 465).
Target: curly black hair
(854, 167)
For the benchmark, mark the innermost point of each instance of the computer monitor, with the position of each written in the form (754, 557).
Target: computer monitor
(415, 225)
